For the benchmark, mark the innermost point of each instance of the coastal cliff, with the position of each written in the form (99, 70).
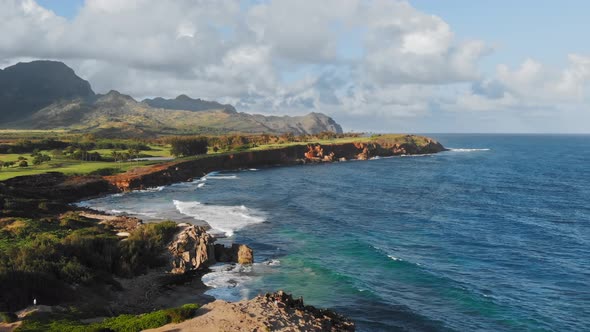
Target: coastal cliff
(184, 170)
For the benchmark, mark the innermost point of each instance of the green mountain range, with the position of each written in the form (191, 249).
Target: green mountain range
(49, 95)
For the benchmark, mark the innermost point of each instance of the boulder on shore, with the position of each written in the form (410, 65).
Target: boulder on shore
(194, 249)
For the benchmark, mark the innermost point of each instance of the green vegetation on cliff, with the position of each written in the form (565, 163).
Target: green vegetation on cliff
(86, 154)
(67, 322)
(44, 257)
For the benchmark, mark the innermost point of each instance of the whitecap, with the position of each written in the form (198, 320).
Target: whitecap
(394, 258)
(417, 155)
(272, 262)
(222, 177)
(200, 185)
(467, 150)
(151, 190)
(221, 218)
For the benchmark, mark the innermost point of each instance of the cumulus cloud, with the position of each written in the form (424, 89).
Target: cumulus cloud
(348, 58)
(531, 86)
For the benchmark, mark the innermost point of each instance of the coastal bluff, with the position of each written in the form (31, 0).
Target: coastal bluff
(189, 168)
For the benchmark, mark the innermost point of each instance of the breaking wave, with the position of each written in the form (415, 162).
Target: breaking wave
(467, 150)
(223, 219)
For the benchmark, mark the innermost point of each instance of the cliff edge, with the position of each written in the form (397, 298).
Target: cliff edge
(299, 153)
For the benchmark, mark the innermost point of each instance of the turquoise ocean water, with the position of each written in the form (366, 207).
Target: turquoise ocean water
(493, 235)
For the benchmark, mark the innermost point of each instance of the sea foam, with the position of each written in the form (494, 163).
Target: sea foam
(233, 282)
(151, 190)
(467, 150)
(217, 176)
(227, 282)
(223, 219)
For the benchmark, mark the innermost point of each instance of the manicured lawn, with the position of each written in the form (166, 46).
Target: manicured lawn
(67, 166)
(156, 151)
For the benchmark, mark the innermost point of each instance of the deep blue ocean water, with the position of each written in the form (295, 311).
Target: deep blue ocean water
(492, 239)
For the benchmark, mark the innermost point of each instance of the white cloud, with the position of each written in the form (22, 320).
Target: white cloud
(280, 56)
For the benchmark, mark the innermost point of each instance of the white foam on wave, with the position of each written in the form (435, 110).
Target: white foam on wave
(200, 185)
(216, 176)
(417, 155)
(394, 258)
(233, 282)
(466, 150)
(227, 281)
(224, 219)
(253, 169)
(272, 262)
(151, 190)
(222, 177)
(378, 157)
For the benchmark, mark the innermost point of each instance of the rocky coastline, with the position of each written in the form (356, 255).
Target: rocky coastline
(185, 170)
(193, 250)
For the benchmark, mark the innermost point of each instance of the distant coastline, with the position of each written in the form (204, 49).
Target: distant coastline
(187, 169)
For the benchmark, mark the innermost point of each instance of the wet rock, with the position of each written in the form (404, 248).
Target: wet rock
(194, 249)
(237, 253)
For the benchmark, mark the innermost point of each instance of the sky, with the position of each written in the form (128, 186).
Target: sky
(373, 65)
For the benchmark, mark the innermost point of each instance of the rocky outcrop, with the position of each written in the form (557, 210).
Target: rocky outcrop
(237, 253)
(271, 312)
(194, 249)
(327, 319)
(118, 224)
(178, 171)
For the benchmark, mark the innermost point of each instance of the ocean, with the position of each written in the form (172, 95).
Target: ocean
(493, 235)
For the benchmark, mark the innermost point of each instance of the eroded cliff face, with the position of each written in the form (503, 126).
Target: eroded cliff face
(47, 193)
(177, 171)
(194, 249)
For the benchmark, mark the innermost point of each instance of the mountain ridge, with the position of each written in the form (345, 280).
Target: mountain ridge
(186, 103)
(75, 106)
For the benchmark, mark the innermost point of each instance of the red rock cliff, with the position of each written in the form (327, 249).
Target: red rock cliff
(183, 170)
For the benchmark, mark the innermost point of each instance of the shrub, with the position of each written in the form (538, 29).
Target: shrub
(75, 220)
(40, 158)
(188, 146)
(130, 323)
(182, 313)
(122, 323)
(8, 317)
(144, 246)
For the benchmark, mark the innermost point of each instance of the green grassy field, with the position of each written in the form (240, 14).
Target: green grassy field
(71, 167)
(156, 151)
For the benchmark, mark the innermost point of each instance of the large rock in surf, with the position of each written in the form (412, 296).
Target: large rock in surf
(237, 253)
(194, 249)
